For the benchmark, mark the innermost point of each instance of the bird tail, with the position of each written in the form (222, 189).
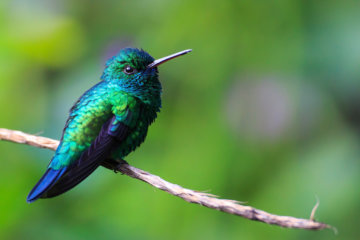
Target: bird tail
(48, 180)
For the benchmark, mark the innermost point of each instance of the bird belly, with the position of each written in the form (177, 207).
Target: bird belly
(135, 139)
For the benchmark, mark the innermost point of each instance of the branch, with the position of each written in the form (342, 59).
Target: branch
(203, 199)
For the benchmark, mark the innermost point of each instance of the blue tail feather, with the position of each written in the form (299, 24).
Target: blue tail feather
(50, 177)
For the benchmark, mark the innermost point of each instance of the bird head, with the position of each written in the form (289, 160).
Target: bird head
(135, 71)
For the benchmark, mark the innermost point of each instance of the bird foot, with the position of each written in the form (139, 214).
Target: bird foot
(113, 164)
(120, 162)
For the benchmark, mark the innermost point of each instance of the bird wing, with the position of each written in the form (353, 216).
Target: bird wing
(55, 182)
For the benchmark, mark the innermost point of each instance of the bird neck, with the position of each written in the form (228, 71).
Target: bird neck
(149, 93)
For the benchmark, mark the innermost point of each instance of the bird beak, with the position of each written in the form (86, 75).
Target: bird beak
(165, 59)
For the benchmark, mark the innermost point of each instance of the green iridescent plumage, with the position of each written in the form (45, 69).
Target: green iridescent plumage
(107, 122)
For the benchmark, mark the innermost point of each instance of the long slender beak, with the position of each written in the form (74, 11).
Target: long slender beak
(157, 62)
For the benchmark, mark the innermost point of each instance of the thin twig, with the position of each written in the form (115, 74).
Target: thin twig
(204, 199)
(312, 215)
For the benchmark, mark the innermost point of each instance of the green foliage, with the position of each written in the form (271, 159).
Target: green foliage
(264, 110)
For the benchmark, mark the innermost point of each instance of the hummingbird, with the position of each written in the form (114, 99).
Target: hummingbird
(107, 122)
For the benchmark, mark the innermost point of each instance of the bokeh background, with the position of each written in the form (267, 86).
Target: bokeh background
(264, 110)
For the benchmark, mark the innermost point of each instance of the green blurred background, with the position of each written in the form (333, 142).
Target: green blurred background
(264, 110)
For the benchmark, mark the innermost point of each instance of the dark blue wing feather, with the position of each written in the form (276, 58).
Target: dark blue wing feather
(91, 158)
(46, 182)
(56, 182)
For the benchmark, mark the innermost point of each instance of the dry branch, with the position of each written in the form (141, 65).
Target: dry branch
(204, 199)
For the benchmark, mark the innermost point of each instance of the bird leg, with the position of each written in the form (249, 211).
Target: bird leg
(113, 164)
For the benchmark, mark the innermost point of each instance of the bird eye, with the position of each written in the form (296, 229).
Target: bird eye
(129, 70)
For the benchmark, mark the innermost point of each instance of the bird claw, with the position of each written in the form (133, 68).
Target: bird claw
(122, 161)
(116, 167)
